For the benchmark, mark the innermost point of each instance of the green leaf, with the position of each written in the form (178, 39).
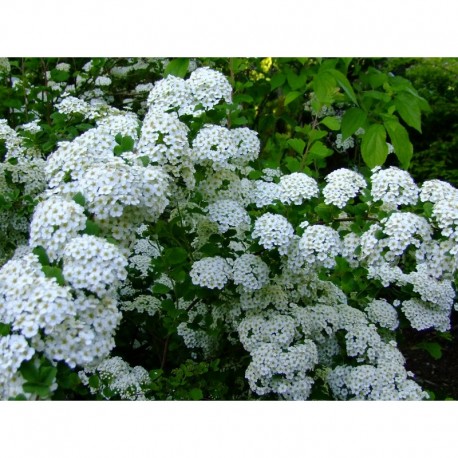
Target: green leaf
(54, 272)
(91, 228)
(47, 375)
(324, 86)
(373, 147)
(177, 67)
(255, 175)
(293, 95)
(277, 80)
(352, 120)
(160, 288)
(407, 107)
(400, 139)
(175, 255)
(297, 145)
(343, 82)
(118, 150)
(127, 143)
(94, 381)
(42, 255)
(59, 75)
(196, 394)
(29, 371)
(144, 160)
(118, 138)
(179, 275)
(319, 151)
(296, 81)
(292, 164)
(79, 199)
(433, 348)
(36, 388)
(5, 329)
(324, 211)
(331, 122)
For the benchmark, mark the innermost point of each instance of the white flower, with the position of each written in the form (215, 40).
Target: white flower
(228, 214)
(394, 187)
(297, 187)
(251, 272)
(211, 272)
(343, 185)
(273, 231)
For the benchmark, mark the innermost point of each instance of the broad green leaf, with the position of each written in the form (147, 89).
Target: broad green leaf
(255, 175)
(29, 371)
(352, 120)
(42, 255)
(319, 151)
(400, 139)
(47, 375)
(91, 228)
(196, 394)
(331, 122)
(296, 81)
(343, 82)
(433, 348)
(4, 329)
(297, 145)
(373, 147)
(292, 164)
(291, 96)
(277, 80)
(177, 67)
(160, 288)
(54, 272)
(324, 86)
(407, 107)
(79, 199)
(127, 143)
(175, 255)
(118, 138)
(36, 388)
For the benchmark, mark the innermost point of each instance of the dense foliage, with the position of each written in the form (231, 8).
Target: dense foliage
(218, 228)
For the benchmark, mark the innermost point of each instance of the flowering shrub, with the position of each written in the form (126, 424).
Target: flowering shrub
(164, 261)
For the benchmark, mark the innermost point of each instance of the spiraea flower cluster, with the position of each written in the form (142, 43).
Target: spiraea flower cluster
(160, 222)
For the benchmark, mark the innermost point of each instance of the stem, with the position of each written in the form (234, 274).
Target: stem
(309, 145)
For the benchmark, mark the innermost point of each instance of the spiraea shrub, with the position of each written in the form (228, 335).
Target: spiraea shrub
(154, 255)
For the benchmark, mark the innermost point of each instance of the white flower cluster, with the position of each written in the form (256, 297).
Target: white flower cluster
(142, 304)
(164, 138)
(251, 272)
(394, 187)
(54, 223)
(211, 272)
(436, 190)
(387, 380)
(74, 329)
(265, 193)
(342, 185)
(205, 88)
(344, 145)
(445, 212)
(224, 148)
(94, 264)
(404, 229)
(381, 312)
(112, 186)
(14, 349)
(319, 245)
(275, 370)
(228, 214)
(297, 187)
(117, 378)
(423, 315)
(273, 231)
